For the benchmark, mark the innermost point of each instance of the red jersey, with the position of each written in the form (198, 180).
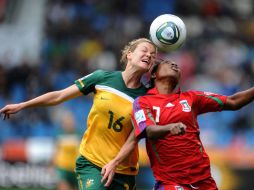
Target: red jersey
(179, 159)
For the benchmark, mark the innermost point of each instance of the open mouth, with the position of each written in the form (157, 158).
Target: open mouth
(145, 61)
(175, 69)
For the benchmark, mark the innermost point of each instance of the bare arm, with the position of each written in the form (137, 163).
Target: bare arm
(153, 132)
(48, 99)
(159, 131)
(108, 171)
(239, 99)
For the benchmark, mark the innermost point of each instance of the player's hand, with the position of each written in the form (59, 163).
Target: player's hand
(108, 173)
(10, 109)
(177, 128)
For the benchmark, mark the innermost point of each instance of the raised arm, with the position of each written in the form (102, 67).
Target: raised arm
(239, 99)
(108, 171)
(48, 99)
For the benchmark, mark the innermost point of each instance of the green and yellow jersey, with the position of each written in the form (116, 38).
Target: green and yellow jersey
(66, 151)
(109, 120)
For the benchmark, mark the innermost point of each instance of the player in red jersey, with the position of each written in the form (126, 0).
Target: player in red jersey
(179, 162)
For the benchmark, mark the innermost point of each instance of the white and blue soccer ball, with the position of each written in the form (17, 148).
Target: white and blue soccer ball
(168, 32)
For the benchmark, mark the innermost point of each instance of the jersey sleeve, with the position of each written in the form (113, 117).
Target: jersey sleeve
(208, 102)
(141, 116)
(87, 83)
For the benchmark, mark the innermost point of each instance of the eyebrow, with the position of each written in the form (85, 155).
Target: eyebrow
(154, 52)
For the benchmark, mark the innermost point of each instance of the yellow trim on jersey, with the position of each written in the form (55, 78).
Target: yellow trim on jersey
(81, 83)
(114, 91)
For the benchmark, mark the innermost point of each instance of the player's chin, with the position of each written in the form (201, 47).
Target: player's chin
(144, 66)
(174, 73)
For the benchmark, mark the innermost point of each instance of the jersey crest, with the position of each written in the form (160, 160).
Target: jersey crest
(179, 188)
(185, 106)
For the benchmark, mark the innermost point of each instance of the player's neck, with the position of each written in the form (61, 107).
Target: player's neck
(164, 87)
(131, 79)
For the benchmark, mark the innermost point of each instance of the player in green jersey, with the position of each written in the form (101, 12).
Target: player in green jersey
(107, 146)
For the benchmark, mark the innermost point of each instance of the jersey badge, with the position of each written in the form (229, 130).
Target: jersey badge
(89, 183)
(185, 106)
(140, 116)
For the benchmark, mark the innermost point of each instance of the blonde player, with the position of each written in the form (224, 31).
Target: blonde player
(109, 135)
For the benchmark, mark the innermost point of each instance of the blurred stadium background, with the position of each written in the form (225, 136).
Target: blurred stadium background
(46, 45)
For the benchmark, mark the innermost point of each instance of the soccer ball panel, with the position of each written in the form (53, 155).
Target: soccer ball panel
(167, 32)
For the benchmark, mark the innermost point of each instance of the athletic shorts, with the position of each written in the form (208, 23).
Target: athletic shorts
(68, 176)
(89, 177)
(206, 184)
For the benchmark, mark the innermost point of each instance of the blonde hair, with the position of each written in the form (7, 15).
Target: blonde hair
(131, 46)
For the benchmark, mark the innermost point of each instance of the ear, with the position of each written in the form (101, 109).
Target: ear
(129, 54)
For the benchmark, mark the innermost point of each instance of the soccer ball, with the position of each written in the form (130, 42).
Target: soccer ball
(167, 32)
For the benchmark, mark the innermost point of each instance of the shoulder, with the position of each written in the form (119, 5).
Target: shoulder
(108, 74)
(201, 93)
(145, 99)
(192, 93)
(99, 75)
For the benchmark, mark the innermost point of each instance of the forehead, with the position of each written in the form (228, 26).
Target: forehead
(146, 45)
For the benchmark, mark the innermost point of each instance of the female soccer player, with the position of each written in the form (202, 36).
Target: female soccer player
(108, 138)
(66, 152)
(168, 120)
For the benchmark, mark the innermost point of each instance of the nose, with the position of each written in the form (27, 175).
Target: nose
(148, 54)
(174, 65)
